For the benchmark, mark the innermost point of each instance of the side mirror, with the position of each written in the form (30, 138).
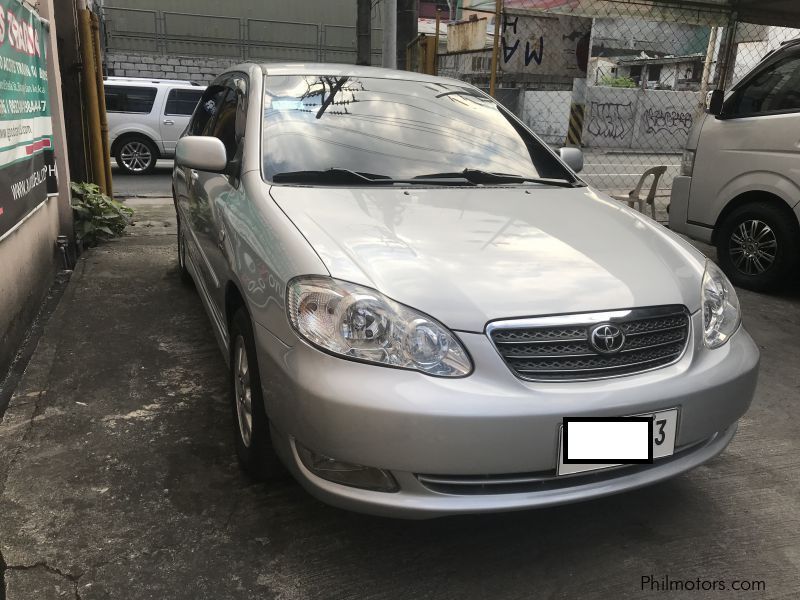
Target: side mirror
(573, 157)
(713, 102)
(204, 153)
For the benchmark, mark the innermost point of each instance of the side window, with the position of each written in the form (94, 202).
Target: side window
(115, 99)
(225, 124)
(775, 89)
(207, 108)
(229, 126)
(127, 99)
(182, 102)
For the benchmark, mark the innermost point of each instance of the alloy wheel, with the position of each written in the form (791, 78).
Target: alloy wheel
(136, 156)
(753, 247)
(243, 395)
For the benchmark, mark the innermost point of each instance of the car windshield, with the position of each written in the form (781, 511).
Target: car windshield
(339, 130)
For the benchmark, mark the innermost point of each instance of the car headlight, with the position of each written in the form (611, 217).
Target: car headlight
(360, 323)
(721, 314)
(687, 163)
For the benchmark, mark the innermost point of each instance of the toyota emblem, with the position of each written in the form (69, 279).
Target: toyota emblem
(607, 338)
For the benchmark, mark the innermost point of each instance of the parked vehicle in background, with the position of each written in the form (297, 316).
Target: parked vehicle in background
(146, 117)
(415, 295)
(739, 187)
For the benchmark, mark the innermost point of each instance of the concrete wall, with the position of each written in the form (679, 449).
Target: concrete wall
(547, 113)
(28, 256)
(616, 118)
(467, 35)
(333, 12)
(655, 120)
(195, 68)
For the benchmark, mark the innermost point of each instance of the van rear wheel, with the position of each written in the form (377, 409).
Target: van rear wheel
(758, 247)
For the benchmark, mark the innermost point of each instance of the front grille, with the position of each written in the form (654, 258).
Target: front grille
(559, 349)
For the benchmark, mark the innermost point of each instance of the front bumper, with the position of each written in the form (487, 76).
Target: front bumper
(416, 500)
(489, 423)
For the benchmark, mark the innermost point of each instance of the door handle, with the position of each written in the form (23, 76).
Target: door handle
(193, 174)
(169, 122)
(221, 239)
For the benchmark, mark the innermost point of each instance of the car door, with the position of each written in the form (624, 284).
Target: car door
(178, 108)
(193, 214)
(212, 192)
(754, 143)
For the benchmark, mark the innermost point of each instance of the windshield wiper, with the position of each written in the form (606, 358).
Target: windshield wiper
(336, 175)
(480, 176)
(332, 175)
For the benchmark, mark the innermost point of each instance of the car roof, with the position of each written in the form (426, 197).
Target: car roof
(336, 69)
(134, 81)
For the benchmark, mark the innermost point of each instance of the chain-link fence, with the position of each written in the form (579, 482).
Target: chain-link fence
(624, 81)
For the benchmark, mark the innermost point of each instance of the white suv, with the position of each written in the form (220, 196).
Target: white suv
(146, 117)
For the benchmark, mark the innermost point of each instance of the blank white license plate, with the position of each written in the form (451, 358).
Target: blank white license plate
(591, 444)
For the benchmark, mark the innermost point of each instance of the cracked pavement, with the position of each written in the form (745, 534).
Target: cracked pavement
(118, 477)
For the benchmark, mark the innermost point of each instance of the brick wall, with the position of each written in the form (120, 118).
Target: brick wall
(196, 68)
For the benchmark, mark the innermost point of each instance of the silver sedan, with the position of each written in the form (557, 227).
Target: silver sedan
(427, 312)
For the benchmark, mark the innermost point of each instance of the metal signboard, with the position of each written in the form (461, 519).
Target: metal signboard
(27, 171)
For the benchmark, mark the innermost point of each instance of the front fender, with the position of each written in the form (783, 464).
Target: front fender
(758, 181)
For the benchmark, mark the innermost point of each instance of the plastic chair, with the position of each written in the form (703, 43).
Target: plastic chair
(634, 196)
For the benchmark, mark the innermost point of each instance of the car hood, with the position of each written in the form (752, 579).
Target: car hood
(467, 256)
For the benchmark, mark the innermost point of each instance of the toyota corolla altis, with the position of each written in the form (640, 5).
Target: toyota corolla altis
(416, 296)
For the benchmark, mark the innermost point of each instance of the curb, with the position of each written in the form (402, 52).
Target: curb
(32, 385)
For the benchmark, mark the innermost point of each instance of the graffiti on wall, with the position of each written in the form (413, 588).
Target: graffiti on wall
(610, 120)
(668, 120)
(657, 120)
(553, 45)
(510, 24)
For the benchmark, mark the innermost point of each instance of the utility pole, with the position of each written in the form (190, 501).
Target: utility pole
(364, 32)
(406, 28)
(389, 45)
(498, 11)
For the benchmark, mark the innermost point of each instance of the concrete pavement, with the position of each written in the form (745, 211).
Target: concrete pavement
(156, 184)
(118, 478)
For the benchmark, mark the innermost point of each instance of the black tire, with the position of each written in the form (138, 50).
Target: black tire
(186, 277)
(136, 155)
(758, 246)
(256, 455)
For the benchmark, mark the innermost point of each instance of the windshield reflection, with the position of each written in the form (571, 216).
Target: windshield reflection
(393, 128)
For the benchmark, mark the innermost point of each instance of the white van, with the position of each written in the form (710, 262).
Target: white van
(146, 117)
(739, 187)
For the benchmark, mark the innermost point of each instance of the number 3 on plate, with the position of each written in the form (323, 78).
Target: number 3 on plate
(660, 431)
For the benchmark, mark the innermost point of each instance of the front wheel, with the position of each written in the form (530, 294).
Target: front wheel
(253, 442)
(758, 247)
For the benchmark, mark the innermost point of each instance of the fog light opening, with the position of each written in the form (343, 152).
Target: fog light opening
(345, 473)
